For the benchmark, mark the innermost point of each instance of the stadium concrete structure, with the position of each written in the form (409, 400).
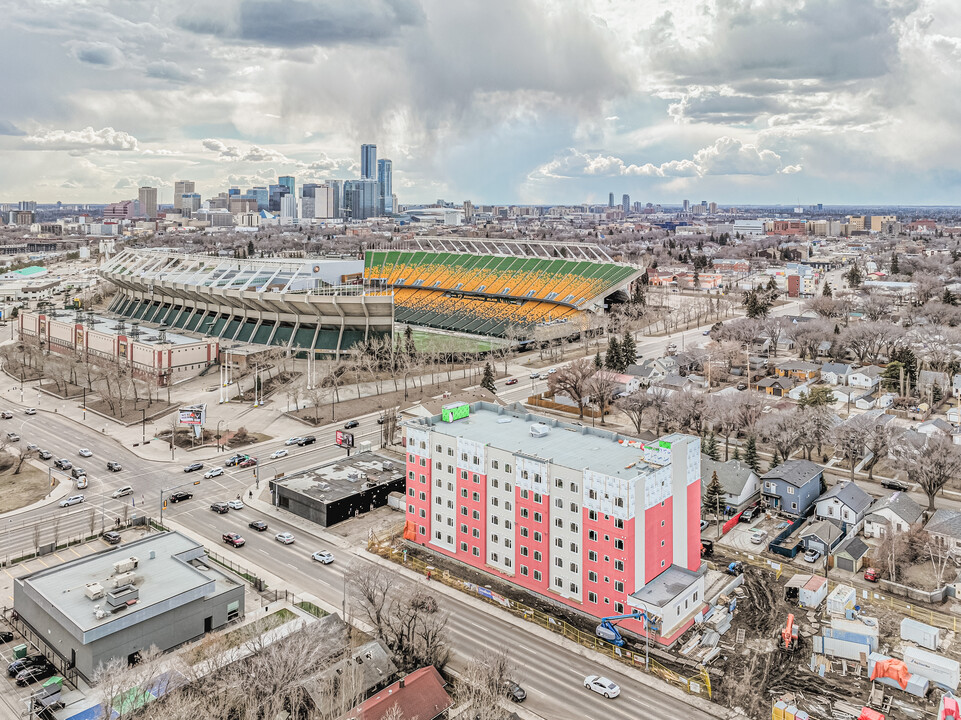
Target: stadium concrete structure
(295, 303)
(488, 294)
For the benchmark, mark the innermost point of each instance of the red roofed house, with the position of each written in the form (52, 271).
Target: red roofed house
(420, 695)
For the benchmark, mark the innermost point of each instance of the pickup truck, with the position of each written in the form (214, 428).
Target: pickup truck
(234, 539)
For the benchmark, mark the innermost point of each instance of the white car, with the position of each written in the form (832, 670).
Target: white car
(214, 472)
(235, 504)
(602, 686)
(285, 537)
(30, 411)
(84, 452)
(82, 482)
(552, 371)
(535, 375)
(278, 454)
(72, 500)
(292, 441)
(322, 556)
(125, 490)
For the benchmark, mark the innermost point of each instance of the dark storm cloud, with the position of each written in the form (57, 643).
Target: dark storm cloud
(97, 53)
(299, 23)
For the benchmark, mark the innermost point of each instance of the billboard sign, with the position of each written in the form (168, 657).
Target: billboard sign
(345, 439)
(193, 415)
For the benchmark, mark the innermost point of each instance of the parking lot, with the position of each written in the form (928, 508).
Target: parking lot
(740, 536)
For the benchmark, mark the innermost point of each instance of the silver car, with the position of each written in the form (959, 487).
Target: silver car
(72, 500)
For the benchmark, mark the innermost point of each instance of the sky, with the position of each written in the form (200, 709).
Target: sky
(496, 101)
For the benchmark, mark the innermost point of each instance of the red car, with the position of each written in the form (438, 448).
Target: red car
(234, 539)
(872, 575)
(512, 381)
(249, 462)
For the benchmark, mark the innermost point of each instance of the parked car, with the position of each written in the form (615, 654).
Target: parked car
(77, 472)
(72, 500)
(214, 472)
(323, 556)
(515, 693)
(285, 537)
(249, 462)
(872, 574)
(552, 371)
(62, 464)
(235, 504)
(235, 460)
(892, 484)
(350, 424)
(535, 375)
(759, 537)
(32, 674)
(812, 555)
(121, 492)
(308, 440)
(84, 452)
(114, 466)
(111, 537)
(234, 539)
(749, 514)
(5, 636)
(82, 482)
(193, 467)
(44, 454)
(602, 686)
(278, 454)
(30, 411)
(32, 446)
(25, 662)
(258, 525)
(13, 437)
(180, 495)
(6, 415)
(741, 386)
(292, 441)
(512, 381)
(704, 524)
(219, 507)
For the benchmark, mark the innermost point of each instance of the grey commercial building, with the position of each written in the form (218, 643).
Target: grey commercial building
(330, 493)
(159, 590)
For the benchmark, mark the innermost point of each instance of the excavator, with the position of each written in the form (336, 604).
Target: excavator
(608, 631)
(790, 637)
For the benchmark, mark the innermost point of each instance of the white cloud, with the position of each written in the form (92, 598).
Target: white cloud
(84, 140)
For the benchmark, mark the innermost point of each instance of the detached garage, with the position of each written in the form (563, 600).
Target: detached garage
(850, 554)
(821, 536)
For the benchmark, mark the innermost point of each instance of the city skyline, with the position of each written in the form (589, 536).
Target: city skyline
(656, 100)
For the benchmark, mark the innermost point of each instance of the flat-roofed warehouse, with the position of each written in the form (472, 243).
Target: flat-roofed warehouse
(159, 590)
(295, 303)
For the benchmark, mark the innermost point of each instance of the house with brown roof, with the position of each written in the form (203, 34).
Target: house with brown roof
(420, 695)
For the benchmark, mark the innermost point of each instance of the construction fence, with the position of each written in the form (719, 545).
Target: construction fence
(386, 545)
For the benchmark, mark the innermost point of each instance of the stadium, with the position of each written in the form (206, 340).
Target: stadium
(319, 304)
(497, 295)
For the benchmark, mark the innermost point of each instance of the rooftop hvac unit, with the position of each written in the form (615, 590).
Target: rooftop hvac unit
(539, 430)
(93, 591)
(98, 612)
(388, 465)
(122, 579)
(125, 565)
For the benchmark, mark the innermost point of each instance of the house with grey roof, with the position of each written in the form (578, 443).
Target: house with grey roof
(836, 373)
(792, 487)
(849, 555)
(897, 512)
(822, 535)
(846, 502)
(945, 527)
(865, 377)
(936, 425)
(742, 486)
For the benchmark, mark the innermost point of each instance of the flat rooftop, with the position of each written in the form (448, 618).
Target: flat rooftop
(342, 478)
(121, 326)
(566, 443)
(660, 591)
(171, 571)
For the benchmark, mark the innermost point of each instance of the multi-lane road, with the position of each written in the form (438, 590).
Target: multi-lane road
(552, 674)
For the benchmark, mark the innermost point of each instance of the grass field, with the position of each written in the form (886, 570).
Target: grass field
(426, 341)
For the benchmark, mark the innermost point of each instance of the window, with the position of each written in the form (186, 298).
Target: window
(538, 517)
(423, 496)
(592, 494)
(537, 478)
(618, 544)
(437, 535)
(508, 524)
(790, 490)
(592, 535)
(524, 494)
(662, 523)
(558, 523)
(592, 556)
(619, 586)
(463, 547)
(537, 555)
(524, 475)
(411, 492)
(574, 547)
(619, 565)
(494, 501)
(494, 484)
(463, 527)
(558, 542)
(507, 468)
(523, 532)
(438, 465)
(559, 503)
(450, 469)
(476, 515)
(537, 498)
(423, 513)
(619, 608)
(421, 530)
(438, 448)
(476, 477)
(558, 582)
(463, 456)
(450, 504)
(476, 460)
(524, 570)
(573, 588)
(558, 562)
(507, 486)
(523, 512)
(463, 492)
(537, 575)
(574, 508)
(410, 458)
(410, 475)
(592, 597)
(438, 483)
(619, 502)
(507, 542)
(475, 496)
(558, 483)
(423, 462)
(463, 510)
(507, 562)
(475, 532)
(538, 537)
(507, 505)
(463, 474)
(423, 478)
(619, 524)
(591, 515)
(574, 528)
(494, 520)
(524, 550)
(494, 464)
(592, 576)
(493, 557)
(450, 451)
(475, 552)
(662, 543)
(573, 567)
(411, 509)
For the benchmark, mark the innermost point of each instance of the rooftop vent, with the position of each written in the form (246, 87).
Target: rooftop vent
(125, 565)
(122, 579)
(539, 430)
(93, 591)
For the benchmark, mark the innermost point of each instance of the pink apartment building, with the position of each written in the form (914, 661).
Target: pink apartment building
(585, 517)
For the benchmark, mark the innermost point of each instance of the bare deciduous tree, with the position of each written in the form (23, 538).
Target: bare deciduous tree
(931, 464)
(572, 382)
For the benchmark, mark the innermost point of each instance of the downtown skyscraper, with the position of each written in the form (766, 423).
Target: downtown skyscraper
(368, 162)
(385, 186)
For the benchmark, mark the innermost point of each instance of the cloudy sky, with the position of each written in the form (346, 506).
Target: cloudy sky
(534, 101)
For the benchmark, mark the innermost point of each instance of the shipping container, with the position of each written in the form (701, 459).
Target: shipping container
(917, 632)
(936, 668)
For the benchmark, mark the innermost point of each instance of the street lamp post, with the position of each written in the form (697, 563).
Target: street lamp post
(85, 404)
(143, 426)
(218, 435)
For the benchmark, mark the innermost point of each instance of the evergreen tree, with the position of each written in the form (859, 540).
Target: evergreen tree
(409, 348)
(710, 448)
(775, 460)
(750, 455)
(853, 276)
(895, 270)
(827, 292)
(771, 285)
(488, 382)
(250, 248)
(598, 363)
(736, 455)
(628, 351)
(612, 359)
(948, 298)
(713, 500)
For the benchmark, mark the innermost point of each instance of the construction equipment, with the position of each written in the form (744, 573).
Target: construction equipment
(707, 548)
(608, 631)
(735, 568)
(790, 637)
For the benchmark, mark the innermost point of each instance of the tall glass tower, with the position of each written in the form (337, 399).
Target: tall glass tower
(385, 186)
(368, 162)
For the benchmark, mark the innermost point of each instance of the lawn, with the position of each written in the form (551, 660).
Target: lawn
(426, 341)
(17, 491)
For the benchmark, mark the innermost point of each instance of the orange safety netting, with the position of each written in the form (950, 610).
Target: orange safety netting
(410, 531)
(894, 669)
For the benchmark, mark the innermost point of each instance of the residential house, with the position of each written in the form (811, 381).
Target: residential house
(956, 386)
(936, 425)
(624, 383)
(824, 349)
(367, 668)
(836, 373)
(930, 381)
(903, 435)
(868, 401)
(846, 501)
(846, 396)
(646, 372)
(776, 386)
(798, 390)
(865, 377)
(742, 486)
(800, 370)
(945, 527)
(761, 344)
(898, 511)
(672, 383)
(849, 555)
(792, 487)
(822, 536)
(420, 694)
